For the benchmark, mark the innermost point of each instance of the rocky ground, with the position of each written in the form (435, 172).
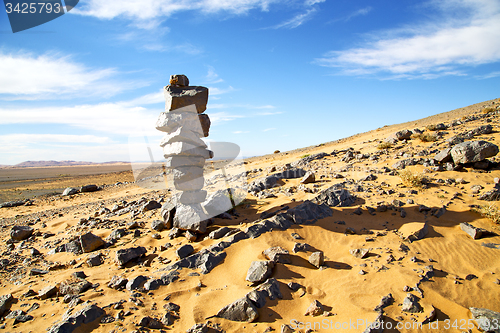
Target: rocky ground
(383, 227)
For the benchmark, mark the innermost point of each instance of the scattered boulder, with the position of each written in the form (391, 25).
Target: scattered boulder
(184, 251)
(259, 271)
(277, 254)
(410, 304)
(74, 286)
(135, 282)
(473, 151)
(308, 178)
(443, 156)
(69, 191)
(317, 259)
(335, 197)
(150, 323)
(384, 302)
(486, 319)
(89, 188)
(359, 253)
(21, 232)
(219, 233)
(90, 242)
(88, 315)
(315, 309)
(472, 231)
(94, 260)
(158, 225)
(123, 256)
(377, 326)
(47, 292)
(309, 212)
(414, 231)
(240, 310)
(5, 303)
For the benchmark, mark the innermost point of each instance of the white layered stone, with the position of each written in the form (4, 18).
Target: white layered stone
(183, 134)
(192, 197)
(190, 217)
(173, 162)
(171, 121)
(186, 149)
(186, 173)
(195, 184)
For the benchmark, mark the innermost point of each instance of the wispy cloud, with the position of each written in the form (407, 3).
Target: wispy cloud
(360, 12)
(154, 13)
(48, 76)
(269, 129)
(111, 118)
(241, 132)
(220, 91)
(488, 76)
(467, 33)
(297, 20)
(212, 77)
(25, 139)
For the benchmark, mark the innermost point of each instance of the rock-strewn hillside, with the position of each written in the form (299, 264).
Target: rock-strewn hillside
(380, 230)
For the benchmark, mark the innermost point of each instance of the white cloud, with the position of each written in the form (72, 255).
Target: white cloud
(152, 98)
(25, 139)
(106, 117)
(150, 15)
(360, 12)
(26, 76)
(488, 76)
(297, 20)
(467, 33)
(220, 91)
(268, 129)
(212, 77)
(241, 132)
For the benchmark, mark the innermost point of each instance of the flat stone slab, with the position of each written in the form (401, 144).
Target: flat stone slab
(194, 98)
(472, 231)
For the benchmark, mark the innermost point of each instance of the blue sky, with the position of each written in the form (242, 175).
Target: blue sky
(283, 74)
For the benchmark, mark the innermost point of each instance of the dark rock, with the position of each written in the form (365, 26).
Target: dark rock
(184, 251)
(301, 247)
(94, 260)
(377, 326)
(117, 282)
(136, 282)
(90, 242)
(277, 254)
(150, 205)
(294, 286)
(89, 188)
(123, 256)
(315, 309)
(87, 315)
(150, 323)
(37, 271)
(309, 212)
(384, 302)
(242, 309)
(116, 234)
(158, 225)
(335, 197)
(410, 304)
(170, 277)
(74, 286)
(219, 233)
(269, 289)
(359, 253)
(486, 319)
(5, 303)
(79, 275)
(444, 156)
(473, 151)
(259, 271)
(256, 230)
(308, 178)
(19, 232)
(73, 246)
(69, 191)
(11, 204)
(153, 284)
(22, 318)
(48, 292)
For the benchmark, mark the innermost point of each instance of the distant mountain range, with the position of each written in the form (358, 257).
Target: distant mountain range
(32, 164)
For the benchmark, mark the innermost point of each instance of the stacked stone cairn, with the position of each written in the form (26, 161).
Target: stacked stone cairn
(185, 153)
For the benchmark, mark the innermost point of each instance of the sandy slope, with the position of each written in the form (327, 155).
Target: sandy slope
(348, 295)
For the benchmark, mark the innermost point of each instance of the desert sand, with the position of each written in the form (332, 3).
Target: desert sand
(465, 273)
